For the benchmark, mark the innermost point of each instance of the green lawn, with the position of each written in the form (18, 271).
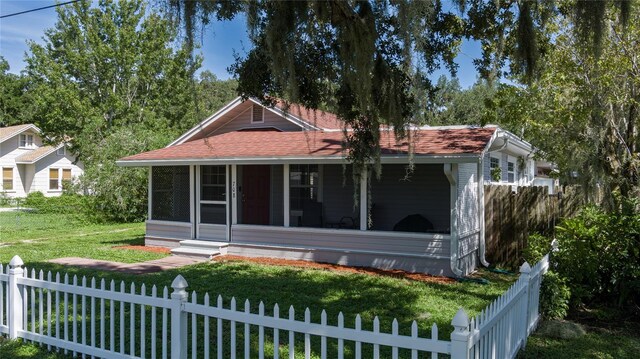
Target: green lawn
(37, 238)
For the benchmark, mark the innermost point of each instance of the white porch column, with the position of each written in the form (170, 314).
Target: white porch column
(234, 194)
(227, 199)
(364, 205)
(149, 194)
(192, 199)
(287, 203)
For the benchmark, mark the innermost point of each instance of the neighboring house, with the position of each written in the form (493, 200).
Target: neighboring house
(28, 165)
(265, 182)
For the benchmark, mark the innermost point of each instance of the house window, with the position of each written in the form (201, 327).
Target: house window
(257, 114)
(54, 179)
(61, 151)
(213, 196)
(7, 178)
(511, 172)
(303, 185)
(170, 194)
(26, 141)
(495, 169)
(66, 177)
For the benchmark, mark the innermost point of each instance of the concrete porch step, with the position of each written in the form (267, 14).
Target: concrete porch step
(195, 252)
(200, 249)
(203, 244)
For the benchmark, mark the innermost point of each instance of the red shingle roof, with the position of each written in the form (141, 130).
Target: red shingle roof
(317, 118)
(260, 144)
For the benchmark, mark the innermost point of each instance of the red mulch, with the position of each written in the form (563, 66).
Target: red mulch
(335, 267)
(163, 250)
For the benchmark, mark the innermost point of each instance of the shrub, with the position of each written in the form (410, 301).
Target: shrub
(76, 205)
(554, 296)
(598, 254)
(537, 247)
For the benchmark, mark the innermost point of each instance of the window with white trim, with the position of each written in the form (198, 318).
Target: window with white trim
(257, 114)
(54, 179)
(7, 178)
(304, 181)
(495, 171)
(66, 177)
(511, 171)
(25, 141)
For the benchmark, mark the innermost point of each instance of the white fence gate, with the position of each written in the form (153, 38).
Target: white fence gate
(99, 319)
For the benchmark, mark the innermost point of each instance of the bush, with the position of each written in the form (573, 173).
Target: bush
(598, 254)
(554, 296)
(68, 203)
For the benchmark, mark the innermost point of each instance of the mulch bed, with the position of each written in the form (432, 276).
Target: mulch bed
(163, 250)
(340, 268)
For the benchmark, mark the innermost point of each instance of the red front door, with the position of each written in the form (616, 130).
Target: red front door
(256, 185)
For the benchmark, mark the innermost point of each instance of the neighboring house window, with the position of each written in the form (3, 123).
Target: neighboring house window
(7, 178)
(170, 193)
(66, 177)
(54, 179)
(303, 184)
(61, 151)
(511, 171)
(496, 171)
(26, 141)
(213, 196)
(257, 114)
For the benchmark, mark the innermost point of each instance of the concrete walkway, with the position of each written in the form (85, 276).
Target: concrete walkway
(153, 266)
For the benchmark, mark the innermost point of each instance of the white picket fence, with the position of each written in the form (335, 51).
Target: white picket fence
(99, 319)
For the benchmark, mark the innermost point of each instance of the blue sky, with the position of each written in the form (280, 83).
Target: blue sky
(219, 41)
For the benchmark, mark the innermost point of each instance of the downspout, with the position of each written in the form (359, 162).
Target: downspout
(451, 172)
(483, 258)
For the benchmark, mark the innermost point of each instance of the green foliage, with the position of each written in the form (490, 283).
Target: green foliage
(599, 253)
(537, 247)
(454, 106)
(598, 256)
(12, 101)
(554, 296)
(114, 80)
(582, 112)
(496, 174)
(76, 206)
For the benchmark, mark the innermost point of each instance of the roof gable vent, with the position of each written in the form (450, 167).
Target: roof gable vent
(257, 114)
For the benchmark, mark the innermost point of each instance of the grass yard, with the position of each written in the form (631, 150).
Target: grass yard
(37, 238)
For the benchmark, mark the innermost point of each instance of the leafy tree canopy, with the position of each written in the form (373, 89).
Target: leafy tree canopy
(116, 80)
(583, 110)
(11, 95)
(369, 60)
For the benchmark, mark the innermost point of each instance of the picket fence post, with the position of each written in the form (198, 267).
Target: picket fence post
(179, 296)
(461, 336)
(15, 305)
(525, 274)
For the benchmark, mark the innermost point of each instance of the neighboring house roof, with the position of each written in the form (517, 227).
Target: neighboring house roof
(314, 144)
(36, 155)
(11, 131)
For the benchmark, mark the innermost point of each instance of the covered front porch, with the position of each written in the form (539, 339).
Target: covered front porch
(310, 211)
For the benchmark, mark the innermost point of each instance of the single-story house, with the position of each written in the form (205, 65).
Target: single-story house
(29, 165)
(272, 182)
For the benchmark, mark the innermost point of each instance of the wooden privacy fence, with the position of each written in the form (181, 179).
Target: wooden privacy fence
(511, 216)
(93, 318)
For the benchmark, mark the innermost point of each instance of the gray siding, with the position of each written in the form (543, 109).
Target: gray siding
(216, 232)
(243, 121)
(468, 253)
(467, 202)
(338, 199)
(425, 191)
(344, 240)
(177, 230)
